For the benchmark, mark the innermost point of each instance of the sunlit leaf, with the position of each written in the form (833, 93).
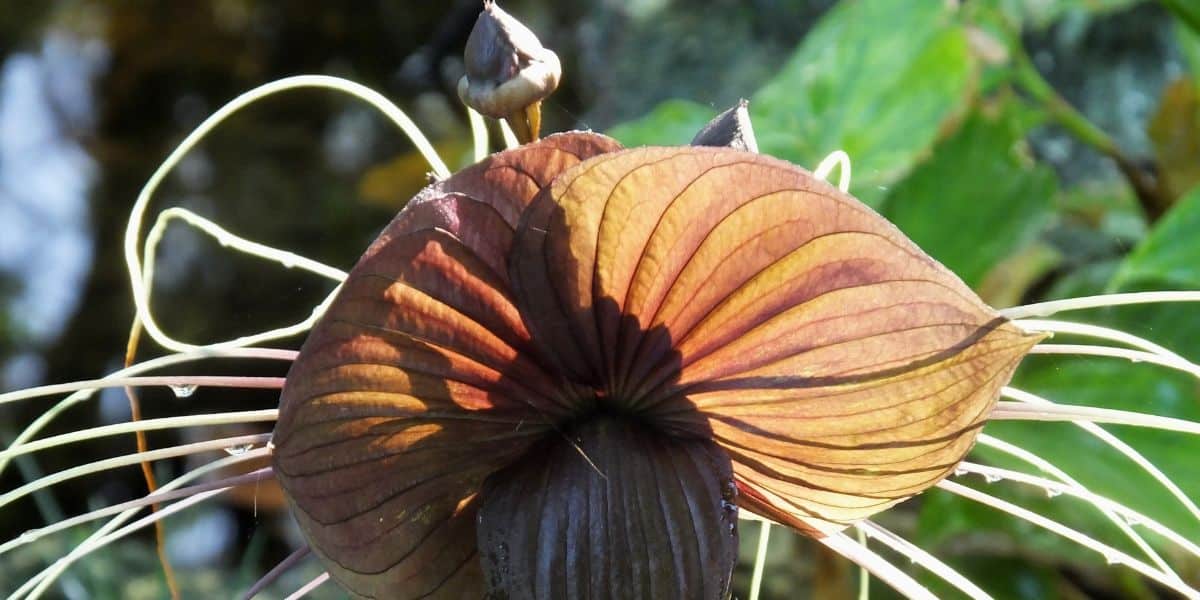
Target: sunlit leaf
(672, 122)
(1169, 258)
(1170, 255)
(977, 200)
(876, 78)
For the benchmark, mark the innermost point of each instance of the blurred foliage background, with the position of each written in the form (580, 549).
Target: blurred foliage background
(1039, 148)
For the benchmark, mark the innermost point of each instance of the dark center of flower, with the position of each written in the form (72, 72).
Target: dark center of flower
(610, 508)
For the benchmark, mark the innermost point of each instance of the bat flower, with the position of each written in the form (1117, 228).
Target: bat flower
(562, 372)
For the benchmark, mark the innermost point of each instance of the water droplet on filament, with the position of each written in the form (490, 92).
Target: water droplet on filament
(239, 449)
(183, 391)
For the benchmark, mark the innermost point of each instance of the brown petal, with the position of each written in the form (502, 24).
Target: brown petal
(720, 293)
(509, 180)
(419, 383)
(622, 513)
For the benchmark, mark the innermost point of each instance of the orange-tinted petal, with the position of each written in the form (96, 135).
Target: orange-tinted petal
(420, 382)
(718, 292)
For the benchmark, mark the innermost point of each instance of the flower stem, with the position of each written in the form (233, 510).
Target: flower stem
(760, 559)
(1150, 194)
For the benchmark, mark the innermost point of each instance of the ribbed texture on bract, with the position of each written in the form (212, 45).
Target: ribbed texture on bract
(701, 297)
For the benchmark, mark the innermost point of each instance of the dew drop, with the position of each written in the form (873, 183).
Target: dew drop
(239, 449)
(183, 391)
(991, 477)
(1053, 492)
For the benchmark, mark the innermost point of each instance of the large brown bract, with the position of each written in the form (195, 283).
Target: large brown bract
(623, 338)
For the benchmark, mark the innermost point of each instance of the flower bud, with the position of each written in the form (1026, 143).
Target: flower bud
(508, 71)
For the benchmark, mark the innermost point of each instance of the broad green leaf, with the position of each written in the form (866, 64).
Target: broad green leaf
(1008, 578)
(1169, 258)
(976, 201)
(877, 78)
(671, 123)
(1170, 255)
(1086, 381)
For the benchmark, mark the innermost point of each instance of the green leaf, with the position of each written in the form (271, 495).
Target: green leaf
(1002, 578)
(671, 123)
(1168, 258)
(977, 200)
(876, 78)
(1188, 14)
(1170, 255)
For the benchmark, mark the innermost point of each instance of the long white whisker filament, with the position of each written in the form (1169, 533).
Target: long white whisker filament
(132, 459)
(760, 559)
(308, 587)
(292, 560)
(479, 134)
(1054, 487)
(137, 214)
(52, 572)
(1045, 309)
(1048, 467)
(1110, 352)
(1098, 332)
(157, 497)
(239, 244)
(837, 158)
(1018, 411)
(231, 381)
(884, 570)
(156, 363)
(923, 558)
(225, 418)
(48, 575)
(1117, 444)
(223, 237)
(1110, 554)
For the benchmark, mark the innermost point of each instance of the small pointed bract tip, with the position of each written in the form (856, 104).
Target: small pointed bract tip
(731, 129)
